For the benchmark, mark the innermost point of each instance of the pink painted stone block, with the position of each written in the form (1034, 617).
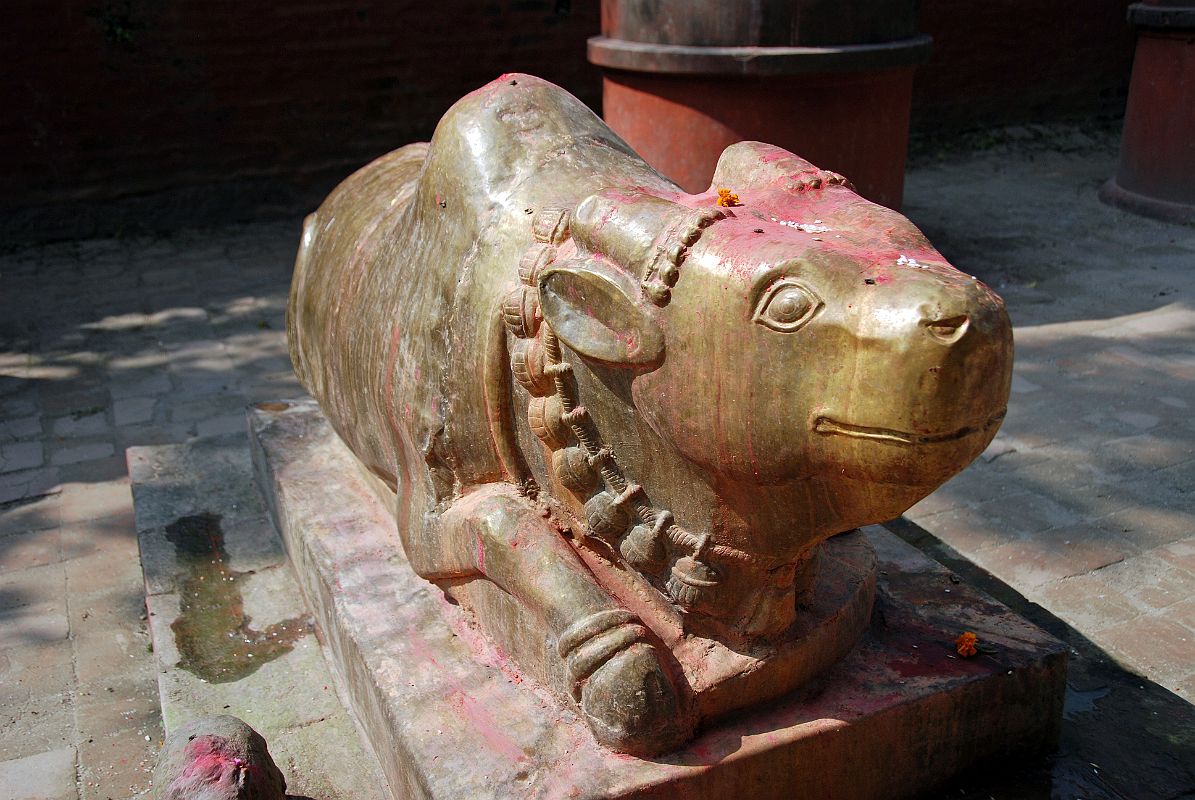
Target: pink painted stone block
(449, 716)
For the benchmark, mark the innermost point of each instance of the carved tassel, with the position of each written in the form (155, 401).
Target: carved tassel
(692, 578)
(521, 311)
(543, 416)
(609, 516)
(606, 519)
(534, 261)
(527, 364)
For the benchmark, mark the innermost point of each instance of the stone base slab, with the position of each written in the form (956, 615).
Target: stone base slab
(449, 717)
(231, 633)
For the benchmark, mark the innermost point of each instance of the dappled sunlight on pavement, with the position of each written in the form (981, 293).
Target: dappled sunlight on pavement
(107, 344)
(1085, 502)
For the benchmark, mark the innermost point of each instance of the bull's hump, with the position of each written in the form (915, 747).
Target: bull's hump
(493, 140)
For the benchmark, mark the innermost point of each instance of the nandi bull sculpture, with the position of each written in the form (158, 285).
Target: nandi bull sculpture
(619, 424)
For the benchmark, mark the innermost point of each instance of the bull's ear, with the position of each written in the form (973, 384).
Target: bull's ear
(599, 312)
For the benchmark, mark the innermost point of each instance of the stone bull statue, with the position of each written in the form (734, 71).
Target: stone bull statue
(618, 423)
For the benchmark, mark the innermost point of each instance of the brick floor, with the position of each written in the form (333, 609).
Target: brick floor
(104, 345)
(1084, 504)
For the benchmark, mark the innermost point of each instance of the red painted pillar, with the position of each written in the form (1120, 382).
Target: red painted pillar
(1156, 176)
(830, 81)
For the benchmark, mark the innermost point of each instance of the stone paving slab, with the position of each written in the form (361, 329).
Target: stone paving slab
(230, 632)
(45, 776)
(449, 721)
(1092, 477)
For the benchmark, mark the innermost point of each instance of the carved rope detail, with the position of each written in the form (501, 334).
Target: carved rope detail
(819, 180)
(663, 270)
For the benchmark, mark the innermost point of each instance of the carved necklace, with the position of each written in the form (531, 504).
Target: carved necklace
(619, 514)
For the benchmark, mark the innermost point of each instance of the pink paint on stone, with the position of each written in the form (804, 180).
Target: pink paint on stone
(485, 725)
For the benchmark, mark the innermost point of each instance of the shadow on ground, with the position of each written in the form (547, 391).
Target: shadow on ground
(109, 344)
(1123, 737)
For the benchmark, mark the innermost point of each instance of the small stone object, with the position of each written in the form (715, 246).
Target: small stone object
(692, 578)
(527, 365)
(520, 309)
(217, 758)
(551, 225)
(643, 549)
(534, 261)
(606, 516)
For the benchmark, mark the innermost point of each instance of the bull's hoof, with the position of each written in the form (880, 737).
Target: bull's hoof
(624, 692)
(632, 707)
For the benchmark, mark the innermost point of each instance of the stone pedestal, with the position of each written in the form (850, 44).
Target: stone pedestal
(450, 717)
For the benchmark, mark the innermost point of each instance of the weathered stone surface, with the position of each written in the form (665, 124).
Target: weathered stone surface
(217, 758)
(450, 717)
(45, 776)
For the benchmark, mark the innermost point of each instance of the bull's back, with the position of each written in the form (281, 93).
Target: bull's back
(354, 313)
(394, 318)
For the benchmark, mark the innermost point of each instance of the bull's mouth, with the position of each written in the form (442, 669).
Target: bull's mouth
(832, 427)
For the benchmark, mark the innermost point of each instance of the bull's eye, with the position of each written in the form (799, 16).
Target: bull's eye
(786, 306)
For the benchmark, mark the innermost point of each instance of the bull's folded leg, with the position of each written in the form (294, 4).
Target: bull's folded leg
(610, 668)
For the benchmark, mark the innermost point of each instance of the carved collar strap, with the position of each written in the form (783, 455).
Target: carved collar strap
(662, 271)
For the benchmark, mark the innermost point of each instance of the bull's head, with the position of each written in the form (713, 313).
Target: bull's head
(805, 354)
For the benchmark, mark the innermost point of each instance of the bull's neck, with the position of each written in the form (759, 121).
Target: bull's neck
(770, 525)
(775, 524)
(742, 554)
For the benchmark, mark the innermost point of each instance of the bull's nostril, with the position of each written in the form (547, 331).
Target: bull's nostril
(948, 330)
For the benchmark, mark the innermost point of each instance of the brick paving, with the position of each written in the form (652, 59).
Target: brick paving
(103, 345)
(1084, 504)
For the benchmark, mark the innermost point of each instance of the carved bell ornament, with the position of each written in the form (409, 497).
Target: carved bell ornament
(574, 469)
(644, 549)
(692, 578)
(527, 366)
(607, 518)
(520, 309)
(533, 263)
(546, 418)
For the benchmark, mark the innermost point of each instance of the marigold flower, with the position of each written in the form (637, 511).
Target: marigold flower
(965, 644)
(727, 198)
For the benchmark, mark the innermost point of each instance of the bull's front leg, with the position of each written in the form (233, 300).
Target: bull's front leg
(614, 673)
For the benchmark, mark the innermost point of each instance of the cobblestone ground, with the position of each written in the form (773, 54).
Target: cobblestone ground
(1083, 504)
(105, 345)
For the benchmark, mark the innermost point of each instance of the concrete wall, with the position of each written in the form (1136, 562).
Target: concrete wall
(125, 114)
